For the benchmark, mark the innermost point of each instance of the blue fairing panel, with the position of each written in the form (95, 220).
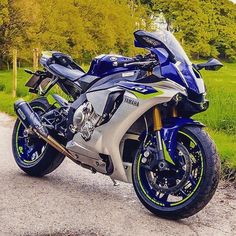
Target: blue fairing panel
(103, 65)
(169, 133)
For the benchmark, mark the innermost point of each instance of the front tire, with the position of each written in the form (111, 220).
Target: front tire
(33, 155)
(195, 192)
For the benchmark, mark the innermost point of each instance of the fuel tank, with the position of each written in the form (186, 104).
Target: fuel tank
(106, 64)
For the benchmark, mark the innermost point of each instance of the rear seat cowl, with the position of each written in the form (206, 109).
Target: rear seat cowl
(65, 72)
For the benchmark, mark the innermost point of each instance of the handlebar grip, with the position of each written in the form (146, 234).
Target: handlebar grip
(139, 63)
(133, 63)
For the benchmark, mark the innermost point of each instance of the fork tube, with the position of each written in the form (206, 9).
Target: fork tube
(157, 127)
(157, 119)
(174, 112)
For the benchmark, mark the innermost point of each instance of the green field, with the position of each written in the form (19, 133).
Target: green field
(220, 117)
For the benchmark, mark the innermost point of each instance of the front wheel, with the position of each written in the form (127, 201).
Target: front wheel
(186, 186)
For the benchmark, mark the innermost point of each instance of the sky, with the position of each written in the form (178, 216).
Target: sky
(233, 1)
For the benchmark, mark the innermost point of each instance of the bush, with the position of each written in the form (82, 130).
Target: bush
(2, 87)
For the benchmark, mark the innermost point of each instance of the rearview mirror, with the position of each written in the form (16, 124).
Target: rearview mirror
(212, 64)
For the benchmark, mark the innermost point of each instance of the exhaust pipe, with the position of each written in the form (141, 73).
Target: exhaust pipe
(31, 120)
(28, 117)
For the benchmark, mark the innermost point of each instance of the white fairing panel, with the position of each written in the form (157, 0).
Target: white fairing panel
(106, 138)
(99, 99)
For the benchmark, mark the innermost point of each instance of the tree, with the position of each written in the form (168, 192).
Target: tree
(222, 26)
(205, 27)
(4, 28)
(14, 28)
(81, 28)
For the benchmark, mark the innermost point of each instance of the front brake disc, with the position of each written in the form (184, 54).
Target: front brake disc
(175, 178)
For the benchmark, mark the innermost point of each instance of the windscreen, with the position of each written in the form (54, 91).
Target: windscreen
(166, 40)
(172, 43)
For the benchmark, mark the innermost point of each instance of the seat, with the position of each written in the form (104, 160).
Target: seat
(62, 71)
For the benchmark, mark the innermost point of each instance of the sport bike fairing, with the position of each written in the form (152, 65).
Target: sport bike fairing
(107, 138)
(174, 62)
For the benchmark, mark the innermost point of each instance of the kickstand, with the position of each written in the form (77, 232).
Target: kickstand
(115, 182)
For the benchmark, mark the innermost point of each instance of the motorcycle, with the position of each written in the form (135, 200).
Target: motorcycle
(127, 118)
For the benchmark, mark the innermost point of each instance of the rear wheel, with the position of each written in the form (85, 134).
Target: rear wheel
(187, 185)
(32, 154)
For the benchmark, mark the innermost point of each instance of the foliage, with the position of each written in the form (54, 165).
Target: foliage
(81, 28)
(8, 27)
(85, 28)
(205, 27)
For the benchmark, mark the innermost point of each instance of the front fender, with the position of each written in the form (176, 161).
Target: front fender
(169, 132)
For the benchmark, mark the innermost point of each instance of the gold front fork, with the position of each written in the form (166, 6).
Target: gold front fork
(157, 119)
(163, 154)
(160, 158)
(174, 112)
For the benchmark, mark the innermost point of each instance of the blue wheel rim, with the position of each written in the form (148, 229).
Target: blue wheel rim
(29, 149)
(162, 198)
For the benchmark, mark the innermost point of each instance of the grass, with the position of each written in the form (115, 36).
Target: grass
(220, 117)
(226, 147)
(221, 89)
(6, 85)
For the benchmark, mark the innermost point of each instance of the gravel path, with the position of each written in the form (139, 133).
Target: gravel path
(72, 201)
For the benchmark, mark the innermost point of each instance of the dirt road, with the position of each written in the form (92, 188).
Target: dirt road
(72, 201)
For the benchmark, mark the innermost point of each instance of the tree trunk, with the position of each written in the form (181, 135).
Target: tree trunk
(1, 63)
(8, 65)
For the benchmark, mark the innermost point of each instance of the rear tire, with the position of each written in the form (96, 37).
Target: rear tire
(204, 190)
(48, 160)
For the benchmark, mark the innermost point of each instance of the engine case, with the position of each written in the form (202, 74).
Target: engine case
(85, 120)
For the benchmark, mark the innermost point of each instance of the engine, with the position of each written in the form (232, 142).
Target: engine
(85, 120)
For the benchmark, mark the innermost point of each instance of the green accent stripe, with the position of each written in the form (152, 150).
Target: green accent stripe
(17, 134)
(201, 174)
(167, 155)
(148, 96)
(140, 184)
(181, 132)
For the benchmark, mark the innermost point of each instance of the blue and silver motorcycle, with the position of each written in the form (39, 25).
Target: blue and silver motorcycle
(127, 118)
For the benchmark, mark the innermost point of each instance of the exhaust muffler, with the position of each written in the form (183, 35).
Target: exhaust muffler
(31, 120)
